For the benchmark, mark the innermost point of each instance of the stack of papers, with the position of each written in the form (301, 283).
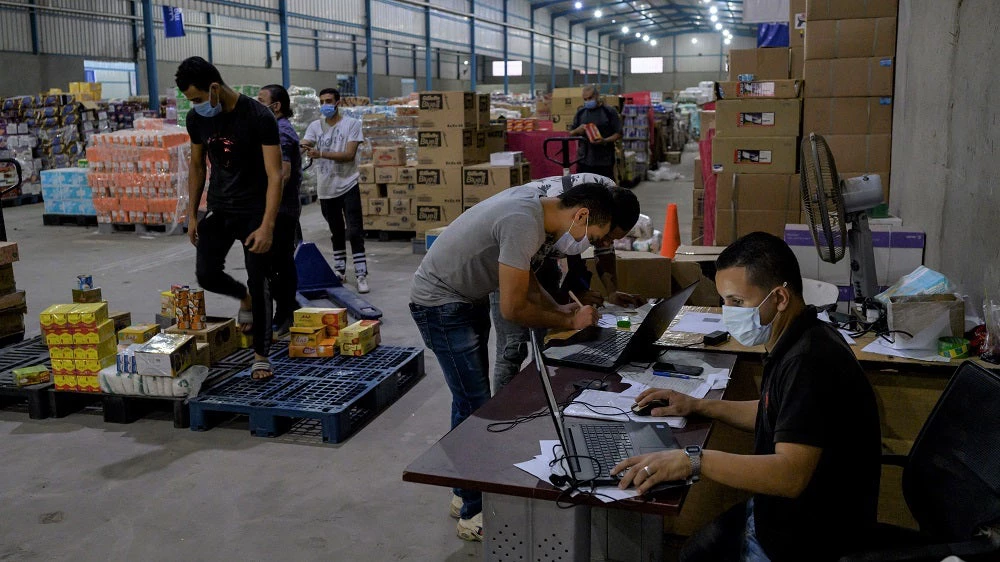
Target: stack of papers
(540, 468)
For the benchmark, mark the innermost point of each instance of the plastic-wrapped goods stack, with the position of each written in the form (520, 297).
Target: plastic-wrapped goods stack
(849, 65)
(13, 305)
(386, 126)
(140, 176)
(305, 110)
(642, 237)
(452, 133)
(66, 192)
(19, 143)
(755, 149)
(636, 132)
(164, 365)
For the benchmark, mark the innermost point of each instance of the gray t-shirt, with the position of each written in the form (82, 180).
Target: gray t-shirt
(463, 265)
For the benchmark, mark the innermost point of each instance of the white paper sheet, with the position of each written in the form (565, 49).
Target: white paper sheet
(919, 354)
(699, 323)
(539, 468)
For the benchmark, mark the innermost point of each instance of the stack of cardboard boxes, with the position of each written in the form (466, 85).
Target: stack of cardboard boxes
(315, 331)
(387, 190)
(503, 171)
(81, 341)
(849, 67)
(755, 149)
(453, 132)
(359, 338)
(698, 204)
(565, 103)
(13, 305)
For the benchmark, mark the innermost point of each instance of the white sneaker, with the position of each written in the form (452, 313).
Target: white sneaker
(471, 529)
(455, 509)
(363, 284)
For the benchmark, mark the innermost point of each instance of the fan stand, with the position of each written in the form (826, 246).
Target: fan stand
(863, 278)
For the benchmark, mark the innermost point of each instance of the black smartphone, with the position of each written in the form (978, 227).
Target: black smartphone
(690, 370)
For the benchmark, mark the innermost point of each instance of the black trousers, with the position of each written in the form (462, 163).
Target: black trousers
(216, 234)
(606, 171)
(284, 279)
(719, 541)
(335, 211)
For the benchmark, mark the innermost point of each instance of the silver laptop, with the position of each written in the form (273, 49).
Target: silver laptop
(593, 447)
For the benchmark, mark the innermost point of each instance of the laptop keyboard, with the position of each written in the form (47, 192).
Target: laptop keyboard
(602, 351)
(607, 444)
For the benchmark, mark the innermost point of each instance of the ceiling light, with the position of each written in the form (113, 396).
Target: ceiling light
(637, 35)
(714, 17)
(725, 33)
(645, 37)
(694, 40)
(465, 62)
(713, 10)
(653, 42)
(624, 29)
(598, 13)
(614, 20)
(727, 40)
(578, 5)
(718, 26)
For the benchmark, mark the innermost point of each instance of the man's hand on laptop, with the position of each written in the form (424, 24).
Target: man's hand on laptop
(646, 471)
(679, 404)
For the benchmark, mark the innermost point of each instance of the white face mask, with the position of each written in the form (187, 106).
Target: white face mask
(744, 323)
(571, 246)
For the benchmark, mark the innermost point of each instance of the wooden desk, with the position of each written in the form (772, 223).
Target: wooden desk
(515, 502)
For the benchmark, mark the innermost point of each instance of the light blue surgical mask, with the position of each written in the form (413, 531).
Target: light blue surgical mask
(570, 246)
(328, 110)
(743, 323)
(205, 108)
(590, 104)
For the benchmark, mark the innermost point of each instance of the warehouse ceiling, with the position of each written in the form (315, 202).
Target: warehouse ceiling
(646, 20)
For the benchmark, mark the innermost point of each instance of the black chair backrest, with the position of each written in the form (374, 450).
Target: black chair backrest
(951, 481)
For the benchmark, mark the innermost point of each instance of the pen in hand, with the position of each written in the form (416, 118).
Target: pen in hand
(576, 300)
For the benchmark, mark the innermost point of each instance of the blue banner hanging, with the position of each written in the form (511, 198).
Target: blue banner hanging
(173, 22)
(772, 35)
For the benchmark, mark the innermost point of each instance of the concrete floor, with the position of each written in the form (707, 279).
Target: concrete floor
(76, 488)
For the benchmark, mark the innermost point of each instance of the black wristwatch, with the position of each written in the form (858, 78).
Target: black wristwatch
(693, 453)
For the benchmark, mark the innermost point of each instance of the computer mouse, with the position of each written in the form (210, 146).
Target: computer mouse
(648, 408)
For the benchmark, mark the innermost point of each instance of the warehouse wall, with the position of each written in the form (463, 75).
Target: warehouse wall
(944, 154)
(46, 71)
(684, 67)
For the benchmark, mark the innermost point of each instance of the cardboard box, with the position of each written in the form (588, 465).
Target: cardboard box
(473, 194)
(861, 152)
(165, 355)
(359, 349)
(763, 64)
(92, 367)
(307, 336)
(796, 23)
(498, 177)
(378, 207)
(453, 109)
(26, 376)
(849, 9)
(698, 203)
(697, 229)
(407, 174)
(785, 89)
(7, 282)
(451, 147)
(847, 116)
(438, 214)
(699, 180)
(510, 159)
(14, 303)
(393, 223)
(311, 316)
(386, 174)
(203, 354)
(394, 190)
(8, 253)
(643, 273)
(87, 296)
(388, 156)
(755, 155)
(369, 190)
(859, 77)
(729, 226)
(439, 178)
(496, 138)
(758, 117)
(366, 173)
(854, 38)
(105, 331)
(689, 266)
(359, 332)
(326, 348)
(898, 251)
(219, 333)
(86, 317)
(797, 67)
(400, 206)
(749, 202)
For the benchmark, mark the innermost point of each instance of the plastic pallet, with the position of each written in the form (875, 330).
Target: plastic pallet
(50, 219)
(18, 200)
(243, 358)
(25, 354)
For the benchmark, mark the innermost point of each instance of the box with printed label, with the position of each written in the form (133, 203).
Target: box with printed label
(699, 180)
(309, 336)
(95, 351)
(755, 155)
(764, 64)
(86, 317)
(496, 138)
(87, 296)
(796, 23)
(359, 349)
(369, 190)
(326, 348)
(439, 177)
(798, 63)
(165, 355)
(854, 38)
(359, 332)
(407, 174)
(758, 117)
(388, 156)
(698, 202)
(473, 194)
(314, 316)
(65, 382)
(92, 367)
(438, 195)
(55, 317)
(849, 9)
(219, 333)
(378, 207)
(749, 202)
(105, 330)
(500, 177)
(847, 116)
(452, 109)
(393, 223)
(514, 158)
(861, 152)
(400, 190)
(898, 251)
(400, 206)
(8, 253)
(141, 333)
(26, 376)
(366, 173)
(760, 89)
(442, 213)
(386, 174)
(859, 77)
(450, 147)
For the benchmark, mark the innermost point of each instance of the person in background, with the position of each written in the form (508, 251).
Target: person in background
(240, 138)
(512, 339)
(284, 278)
(489, 248)
(597, 156)
(332, 142)
(814, 472)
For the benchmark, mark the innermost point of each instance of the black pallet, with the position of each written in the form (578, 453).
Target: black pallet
(342, 398)
(243, 358)
(69, 220)
(125, 409)
(388, 235)
(164, 229)
(25, 354)
(24, 199)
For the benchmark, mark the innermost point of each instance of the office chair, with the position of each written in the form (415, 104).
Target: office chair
(951, 478)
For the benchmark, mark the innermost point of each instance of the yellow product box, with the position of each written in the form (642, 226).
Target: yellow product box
(26, 376)
(65, 382)
(87, 296)
(359, 332)
(88, 383)
(167, 303)
(359, 349)
(244, 339)
(55, 315)
(86, 317)
(105, 330)
(140, 333)
(93, 366)
(96, 351)
(63, 367)
(326, 348)
(333, 332)
(61, 352)
(59, 339)
(306, 317)
(309, 336)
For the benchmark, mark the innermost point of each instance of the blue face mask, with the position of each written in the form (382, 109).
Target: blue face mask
(328, 110)
(590, 104)
(205, 108)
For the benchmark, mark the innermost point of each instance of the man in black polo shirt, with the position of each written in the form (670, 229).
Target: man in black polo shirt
(597, 156)
(817, 444)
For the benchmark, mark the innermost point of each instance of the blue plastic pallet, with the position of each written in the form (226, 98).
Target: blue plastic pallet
(342, 398)
(244, 357)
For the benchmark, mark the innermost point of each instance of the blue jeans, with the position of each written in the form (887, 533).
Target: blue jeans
(752, 550)
(731, 537)
(458, 334)
(512, 345)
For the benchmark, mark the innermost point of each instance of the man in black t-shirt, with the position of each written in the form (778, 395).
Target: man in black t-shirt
(598, 156)
(815, 470)
(240, 138)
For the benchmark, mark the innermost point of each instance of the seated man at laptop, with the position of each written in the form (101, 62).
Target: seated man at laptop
(815, 470)
(489, 248)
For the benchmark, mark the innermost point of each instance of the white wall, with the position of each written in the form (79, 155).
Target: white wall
(684, 63)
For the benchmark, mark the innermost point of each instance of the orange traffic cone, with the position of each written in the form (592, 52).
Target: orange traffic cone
(671, 233)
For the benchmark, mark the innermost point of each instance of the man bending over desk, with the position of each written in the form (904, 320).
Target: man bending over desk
(815, 470)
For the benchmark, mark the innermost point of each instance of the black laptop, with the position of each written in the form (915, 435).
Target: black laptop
(593, 447)
(605, 349)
